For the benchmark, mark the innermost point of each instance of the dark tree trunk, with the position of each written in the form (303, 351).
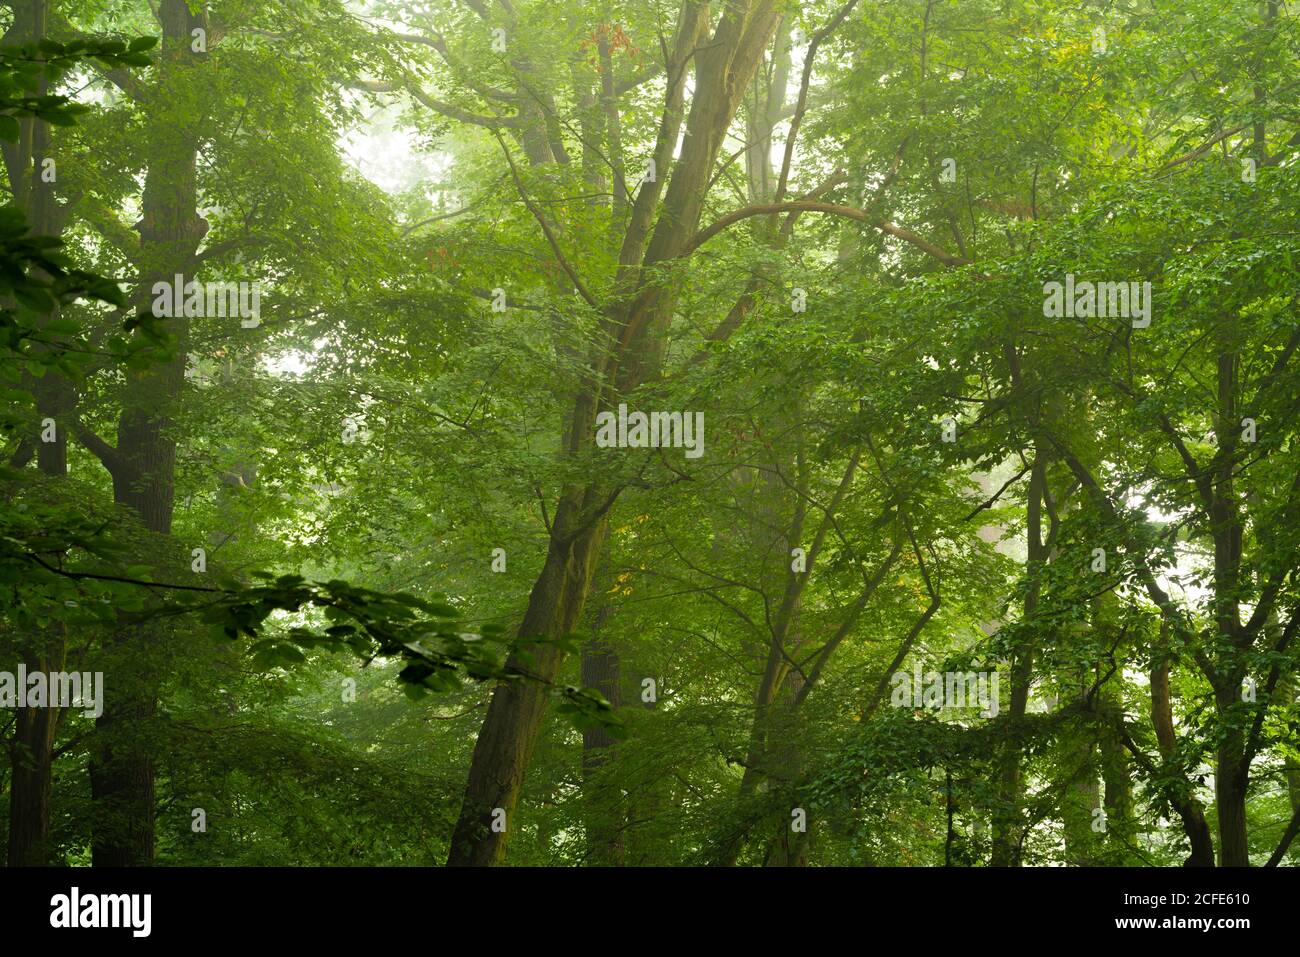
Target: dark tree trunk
(36, 729)
(605, 808)
(509, 734)
(1230, 782)
(143, 468)
(1187, 807)
(31, 788)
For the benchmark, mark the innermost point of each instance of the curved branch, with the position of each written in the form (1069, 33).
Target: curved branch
(435, 104)
(563, 260)
(834, 209)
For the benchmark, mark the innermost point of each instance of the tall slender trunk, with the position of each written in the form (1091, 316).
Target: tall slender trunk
(144, 463)
(773, 534)
(1083, 793)
(636, 329)
(1007, 823)
(1232, 770)
(1117, 780)
(32, 757)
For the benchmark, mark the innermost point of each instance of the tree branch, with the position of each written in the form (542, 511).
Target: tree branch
(563, 260)
(834, 209)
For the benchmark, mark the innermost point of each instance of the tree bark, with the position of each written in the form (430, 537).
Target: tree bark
(122, 768)
(605, 810)
(635, 328)
(35, 731)
(1006, 825)
(1162, 718)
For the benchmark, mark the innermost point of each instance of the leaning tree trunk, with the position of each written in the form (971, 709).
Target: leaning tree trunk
(1185, 805)
(509, 733)
(636, 328)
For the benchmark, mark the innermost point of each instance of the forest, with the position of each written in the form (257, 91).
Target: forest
(645, 433)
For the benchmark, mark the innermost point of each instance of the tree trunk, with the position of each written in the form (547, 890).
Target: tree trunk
(1232, 769)
(509, 734)
(1162, 718)
(36, 729)
(1006, 824)
(636, 329)
(32, 765)
(143, 468)
(1230, 781)
(605, 810)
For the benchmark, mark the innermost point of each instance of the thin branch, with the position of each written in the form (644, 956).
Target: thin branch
(563, 260)
(834, 209)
